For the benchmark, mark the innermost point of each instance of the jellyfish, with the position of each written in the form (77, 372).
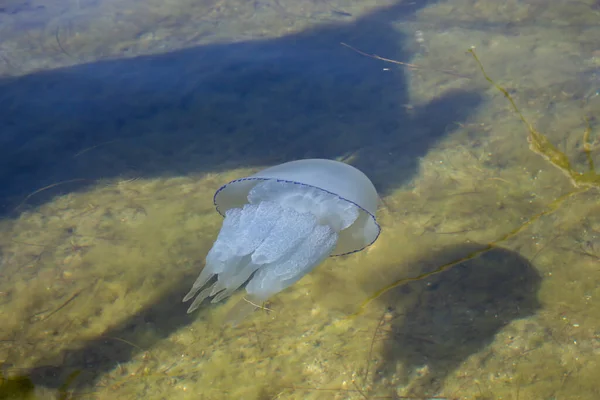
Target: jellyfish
(279, 225)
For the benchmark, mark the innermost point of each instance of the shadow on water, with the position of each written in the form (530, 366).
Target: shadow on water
(208, 109)
(221, 106)
(444, 319)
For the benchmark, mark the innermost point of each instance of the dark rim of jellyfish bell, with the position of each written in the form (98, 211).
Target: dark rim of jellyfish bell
(311, 186)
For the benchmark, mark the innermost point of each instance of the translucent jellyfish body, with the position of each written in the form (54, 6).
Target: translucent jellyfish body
(280, 224)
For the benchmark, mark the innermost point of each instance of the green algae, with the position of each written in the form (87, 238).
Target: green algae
(18, 387)
(22, 387)
(540, 145)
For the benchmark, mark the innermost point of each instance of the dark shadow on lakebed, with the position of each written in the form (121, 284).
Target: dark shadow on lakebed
(443, 319)
(221, 106)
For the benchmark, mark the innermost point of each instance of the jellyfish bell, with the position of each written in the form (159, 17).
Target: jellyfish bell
(336, 178)
(282, 222)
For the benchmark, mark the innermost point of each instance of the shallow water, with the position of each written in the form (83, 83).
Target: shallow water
(119, 120)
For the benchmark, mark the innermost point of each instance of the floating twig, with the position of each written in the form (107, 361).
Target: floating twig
(413, 66)
(46, 188)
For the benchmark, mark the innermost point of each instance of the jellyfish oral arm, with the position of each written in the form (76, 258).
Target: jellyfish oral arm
(284, 231)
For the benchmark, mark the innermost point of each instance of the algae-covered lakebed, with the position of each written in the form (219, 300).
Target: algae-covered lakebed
(475, 120)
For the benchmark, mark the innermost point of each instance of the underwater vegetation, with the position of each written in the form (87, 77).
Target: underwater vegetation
(16, 387)
(538, 144)
(22, 387)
